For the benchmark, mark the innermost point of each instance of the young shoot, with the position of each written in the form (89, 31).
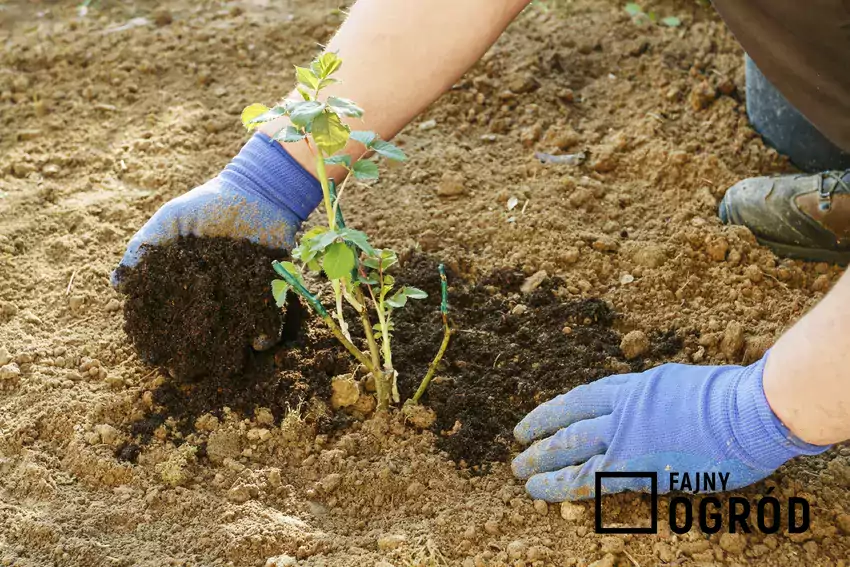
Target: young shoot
(359, 273)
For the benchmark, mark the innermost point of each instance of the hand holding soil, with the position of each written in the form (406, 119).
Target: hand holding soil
(262, 196)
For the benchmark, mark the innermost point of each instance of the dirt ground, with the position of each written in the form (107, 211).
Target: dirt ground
(107, 116)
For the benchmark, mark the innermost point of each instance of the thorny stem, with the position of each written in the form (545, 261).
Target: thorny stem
(447, 334)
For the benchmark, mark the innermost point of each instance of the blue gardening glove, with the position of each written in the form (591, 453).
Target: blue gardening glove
(673, 418)
(263, 195)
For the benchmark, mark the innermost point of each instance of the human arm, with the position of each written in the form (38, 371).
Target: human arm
(398, 57)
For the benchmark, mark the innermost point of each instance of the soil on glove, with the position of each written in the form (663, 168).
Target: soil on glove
(199, 306)
(110, 109)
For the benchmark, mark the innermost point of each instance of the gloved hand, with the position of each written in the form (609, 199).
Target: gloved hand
(673, 418)
(263, 195)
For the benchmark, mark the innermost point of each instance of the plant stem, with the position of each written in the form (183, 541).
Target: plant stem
(380, 379)
(337, 287)
(447, 334)
(349, 346)
(337, 214)
(316, 305)
(321, 172)
(329, 209)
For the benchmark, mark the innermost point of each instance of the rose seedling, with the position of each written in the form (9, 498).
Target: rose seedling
(360, 274)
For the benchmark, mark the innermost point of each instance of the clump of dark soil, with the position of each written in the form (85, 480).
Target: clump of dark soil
(197, 306)
(502, 363)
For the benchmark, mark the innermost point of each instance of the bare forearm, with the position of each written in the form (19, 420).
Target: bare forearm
(807, 375)
(398, 57)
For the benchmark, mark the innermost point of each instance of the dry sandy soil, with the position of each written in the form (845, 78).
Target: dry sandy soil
(105, 117)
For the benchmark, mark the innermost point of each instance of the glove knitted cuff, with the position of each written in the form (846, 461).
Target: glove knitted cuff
(264, 168)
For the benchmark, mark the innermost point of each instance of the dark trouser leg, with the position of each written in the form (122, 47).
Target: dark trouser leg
(783, 127)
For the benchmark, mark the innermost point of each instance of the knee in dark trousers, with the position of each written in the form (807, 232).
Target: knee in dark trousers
(783, 127)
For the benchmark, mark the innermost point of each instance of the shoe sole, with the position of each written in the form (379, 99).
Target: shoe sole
(807, 254)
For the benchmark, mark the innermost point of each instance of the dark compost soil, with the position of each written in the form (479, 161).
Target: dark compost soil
(501, 363)
(195, 307)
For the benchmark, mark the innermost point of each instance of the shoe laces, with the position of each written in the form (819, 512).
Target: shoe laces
(825, 194)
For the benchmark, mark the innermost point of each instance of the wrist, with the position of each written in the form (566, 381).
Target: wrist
(263, 167)
(764, 439)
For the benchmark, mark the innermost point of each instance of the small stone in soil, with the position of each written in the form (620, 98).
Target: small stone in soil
(331, 482)
(451, 185)
(516, 549)
(533, 281)
(108, 434)
(541, 507)
(10, 371)
(634, 344)
(571, 512)
(345, 391)
(281, 561)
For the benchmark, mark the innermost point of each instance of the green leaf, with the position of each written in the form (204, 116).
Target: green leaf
(267, 116)
(306, 77)
(324, 83)
(279, 289)
(314, 232)
(330, 133)
(326, 64)
(303, 113)
(388, 258)
(371, 263)
(338, 261)
(251, 112)
(364, 137)
(672, 21)
(388, 150)
(365, 169)
(358, 238)
(339, 159)
(633, 9)
(368, 280)
(305, 94)
(414, 292)
(398, 300)
(345, 107)
(314, 265)
(324, 240)
(289, 134)
(304, 252)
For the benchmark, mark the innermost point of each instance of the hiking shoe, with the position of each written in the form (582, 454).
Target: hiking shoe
(797, 216)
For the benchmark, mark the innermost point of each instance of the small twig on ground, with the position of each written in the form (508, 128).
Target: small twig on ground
(71, 281)
(632, 559)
